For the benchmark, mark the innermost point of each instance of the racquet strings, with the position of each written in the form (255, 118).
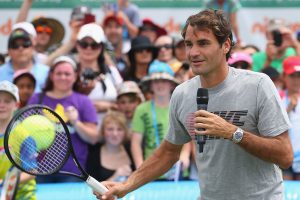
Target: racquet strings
(39, 146)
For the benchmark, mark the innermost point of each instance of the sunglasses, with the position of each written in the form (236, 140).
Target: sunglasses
(25, 44)
(43, 29)
(240, 65)
(166, 46)
(85, 45)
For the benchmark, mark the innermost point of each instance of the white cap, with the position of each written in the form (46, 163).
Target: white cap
(26, 26)
(93, 31)
(65, 59)
(6, 86)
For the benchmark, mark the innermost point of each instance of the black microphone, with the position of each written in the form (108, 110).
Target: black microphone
(202, 101)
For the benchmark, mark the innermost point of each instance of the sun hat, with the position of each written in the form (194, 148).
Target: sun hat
(58, 29)
(22, 73)
(93, 31)
(160, 71)
(158, 29)
(65, 59)
(26, 26)
(130, 87)
(141, 42)
(291, 65)
(6, 86)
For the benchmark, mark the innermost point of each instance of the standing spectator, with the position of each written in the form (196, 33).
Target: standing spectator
(151, 30)
(230, 8)
(25, 82)
(113, 29)
(21, 52)
(111, 158)
(9, 98)
(102, 90)
(60, 94)
(291, 101)
(280, 45)
(129, 97)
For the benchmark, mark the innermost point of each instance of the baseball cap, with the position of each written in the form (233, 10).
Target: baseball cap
(22, 73)
(291, 65)
(79, 12)
(25, 26)
(115, 18)
(6, 86)
(128, 87)
(65, 59)
(18, 34)
(240, 56)
(93, 31)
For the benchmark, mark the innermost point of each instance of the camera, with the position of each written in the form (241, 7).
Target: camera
(88, 74)
(277, 37)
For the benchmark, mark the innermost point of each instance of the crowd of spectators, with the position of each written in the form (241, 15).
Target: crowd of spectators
(111, 81)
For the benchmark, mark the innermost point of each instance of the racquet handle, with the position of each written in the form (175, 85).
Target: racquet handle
(96, 186)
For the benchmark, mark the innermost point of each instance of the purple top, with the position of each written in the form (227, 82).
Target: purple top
(87, 113)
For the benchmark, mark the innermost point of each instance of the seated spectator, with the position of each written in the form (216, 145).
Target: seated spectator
(25, 82)
(240, 60)
(291, 101)
(151, 30)
(60, 94)
(110, 159)
(129, 97)
(21, 52)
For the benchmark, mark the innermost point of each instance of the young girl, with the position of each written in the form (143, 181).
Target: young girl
(9, 98)
(111, 159)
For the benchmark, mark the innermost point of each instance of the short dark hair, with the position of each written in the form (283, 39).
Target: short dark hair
(213, 20)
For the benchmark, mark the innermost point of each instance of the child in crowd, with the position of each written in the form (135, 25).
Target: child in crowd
(150, 120)
(129, 97)
(9, 98)
(290, 98)
(111, 159)
(25, 82)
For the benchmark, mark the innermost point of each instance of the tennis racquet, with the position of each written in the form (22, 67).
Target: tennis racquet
(10, 184)
(43, 146)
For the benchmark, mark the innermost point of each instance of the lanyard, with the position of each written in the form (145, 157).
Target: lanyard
(155, 126)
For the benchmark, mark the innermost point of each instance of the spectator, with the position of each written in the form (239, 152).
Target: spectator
(280, 45)
(240, 60)
(60, 94)
(274, 76)
(111, 159)
(179, 48)
(150, 120)
(129, 97)
(21, 52)
(25, 82)
(250, 49)
(230, 8)
(151, 30)
(101, 87)
(9, 98)
(113, 29)
(291, 101)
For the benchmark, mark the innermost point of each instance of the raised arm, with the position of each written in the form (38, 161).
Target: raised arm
(23, 13)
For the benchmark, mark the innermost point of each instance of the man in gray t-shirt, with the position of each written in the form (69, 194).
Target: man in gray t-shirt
(245, 124)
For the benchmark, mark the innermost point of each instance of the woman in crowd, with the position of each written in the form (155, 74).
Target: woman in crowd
(111, 159)
(60, 94)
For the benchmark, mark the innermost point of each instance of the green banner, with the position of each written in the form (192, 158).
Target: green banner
(6, 4)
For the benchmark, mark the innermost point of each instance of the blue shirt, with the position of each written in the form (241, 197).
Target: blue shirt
(39, 71)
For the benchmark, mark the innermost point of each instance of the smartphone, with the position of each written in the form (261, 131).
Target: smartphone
(277, 37)
(89, 18)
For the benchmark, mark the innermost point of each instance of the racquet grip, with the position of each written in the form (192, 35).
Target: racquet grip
(96, 186)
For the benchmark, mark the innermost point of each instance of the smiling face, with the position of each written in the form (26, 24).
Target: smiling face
(63, 77)
(204, 52)
(7, 105)
(114, 133)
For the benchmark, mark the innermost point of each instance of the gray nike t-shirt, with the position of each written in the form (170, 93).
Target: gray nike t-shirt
(226, 171)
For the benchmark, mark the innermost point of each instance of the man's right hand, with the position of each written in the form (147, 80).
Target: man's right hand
(115, 189)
